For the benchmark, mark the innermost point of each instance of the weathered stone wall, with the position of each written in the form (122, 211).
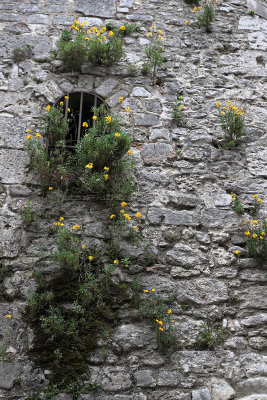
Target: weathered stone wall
(184, 195)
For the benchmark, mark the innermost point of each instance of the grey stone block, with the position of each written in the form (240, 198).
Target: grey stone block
(8, 373)
(10, 17)
(146, 119)
(155, 152)
(144, 378)
(221, 390)
(202, 394)
(106, 88)
(38, 19)
(115, 379)
(105, 9)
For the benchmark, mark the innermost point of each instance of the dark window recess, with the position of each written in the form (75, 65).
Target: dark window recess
(80, 105)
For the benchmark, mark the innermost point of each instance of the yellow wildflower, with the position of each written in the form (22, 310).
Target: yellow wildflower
(149, 34)
(121, 99)
(159, 322)
(85, 125)
(153, 26)
(237, 252)
(262, 233)
(8, 316)
(83, 247)
(254, 235)
(106, 169)
(112, 216)
(160, 37)
(104, 38)
(66, 98)
(61, 219)
(29, 137)
(259, 200)
(248, 221)
(129, 152)
(50, 188)
(100, 40)
(110, 34)
(159, 31)
(146, 291)
(90, 165)
(108, 119)
(48, 108)
(106, 176)
(87, 38)
(28, 130)
(117, 134)
(122, 28)
(218, 104)
(136, 227)
(261, 237)
(186, 22)
(153, 290)
(127, 216)
(123, 204)
(255, 221)
(161, 329)
(222, 112)
(116, 262)
(94, 117)
(68, 109)
(247, 233)
(181, 107)
(61, 103)
(76, 22)
(91, 258)
(169, 311)
(138, 215)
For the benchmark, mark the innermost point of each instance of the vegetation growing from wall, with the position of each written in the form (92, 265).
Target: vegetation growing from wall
(97, 164)
(72, 308)
(232, 122)
(154, 54)
(99, 46)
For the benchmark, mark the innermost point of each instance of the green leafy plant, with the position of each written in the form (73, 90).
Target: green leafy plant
(96, 164)
(154, 54)
(238, 206)
(157, 310)
(64, 336)
(211, 336)
(177, 111)
(132, 70)
(145, 69)
(206, 15)
(256, 244)
(232, 122)
(104, 46)
(28, 214)
(21, 54)
(251, 13)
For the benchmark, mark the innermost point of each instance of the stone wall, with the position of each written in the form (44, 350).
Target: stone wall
(183, 186)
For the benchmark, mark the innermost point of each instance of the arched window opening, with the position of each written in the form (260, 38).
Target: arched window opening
(77, 108)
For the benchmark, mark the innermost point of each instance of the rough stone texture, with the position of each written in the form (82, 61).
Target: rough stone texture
(8, 373)
(221, 390)
(183, 184)
(94, 8)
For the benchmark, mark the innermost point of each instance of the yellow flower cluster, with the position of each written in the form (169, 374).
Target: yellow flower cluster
(74, 227)
(59, 222)
(155, 32)
(230, 107)
(85, 125)
(90, 165)
(233, 196)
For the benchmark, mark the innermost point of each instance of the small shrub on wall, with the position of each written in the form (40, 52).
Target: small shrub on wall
(96, 164)
(104, 46)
